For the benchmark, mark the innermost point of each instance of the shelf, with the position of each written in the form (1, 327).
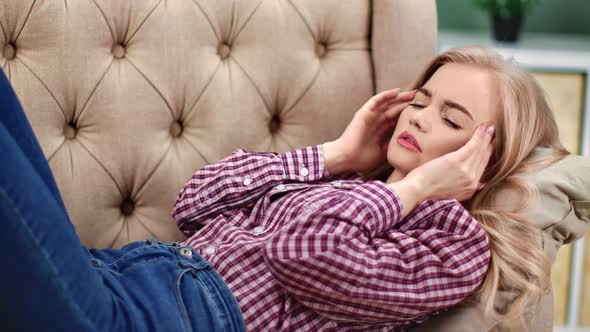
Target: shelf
(570, 52)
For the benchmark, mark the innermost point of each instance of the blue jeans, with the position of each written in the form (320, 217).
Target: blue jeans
(50, 282)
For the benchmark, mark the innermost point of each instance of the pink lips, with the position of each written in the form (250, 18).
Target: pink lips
(409, 141)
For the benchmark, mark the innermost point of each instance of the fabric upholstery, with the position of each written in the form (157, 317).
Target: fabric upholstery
(129, 98)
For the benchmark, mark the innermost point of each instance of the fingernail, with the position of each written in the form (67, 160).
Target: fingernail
(482, 129)
(491, 129)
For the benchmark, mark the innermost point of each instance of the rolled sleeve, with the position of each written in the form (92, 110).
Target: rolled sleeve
(305, 164)
(383, 202)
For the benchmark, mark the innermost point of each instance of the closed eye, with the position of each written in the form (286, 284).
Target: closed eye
(451, 124)
(447, 121)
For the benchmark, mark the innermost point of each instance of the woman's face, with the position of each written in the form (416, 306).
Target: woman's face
(444, 114)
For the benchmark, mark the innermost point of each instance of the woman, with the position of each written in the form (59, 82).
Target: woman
(315, 239)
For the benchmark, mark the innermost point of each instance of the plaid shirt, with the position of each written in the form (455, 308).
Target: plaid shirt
(304, 250)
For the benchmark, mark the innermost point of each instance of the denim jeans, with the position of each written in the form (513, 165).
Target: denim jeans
(50, 282)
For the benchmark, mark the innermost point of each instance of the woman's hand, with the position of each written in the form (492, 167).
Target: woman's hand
(363, 145)
(455, 175)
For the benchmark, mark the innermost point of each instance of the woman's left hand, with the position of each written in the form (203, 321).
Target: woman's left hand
(455, 175)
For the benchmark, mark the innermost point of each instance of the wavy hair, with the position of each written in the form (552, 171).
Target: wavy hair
(519, 265)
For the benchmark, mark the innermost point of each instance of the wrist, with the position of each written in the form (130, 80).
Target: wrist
(335, 160)
(409, 192)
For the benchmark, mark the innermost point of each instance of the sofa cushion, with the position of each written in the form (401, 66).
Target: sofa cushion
(562, 211)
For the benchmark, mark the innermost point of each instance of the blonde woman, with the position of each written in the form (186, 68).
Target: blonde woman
(379, 229)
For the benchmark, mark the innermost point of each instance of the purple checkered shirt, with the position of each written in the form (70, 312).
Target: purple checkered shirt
(304, 250)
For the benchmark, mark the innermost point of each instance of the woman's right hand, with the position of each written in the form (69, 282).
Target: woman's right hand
(455, 175)
(363, 145)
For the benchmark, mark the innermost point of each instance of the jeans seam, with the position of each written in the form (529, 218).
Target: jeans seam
(135, 264)
(210, 299)
(53, 269)
(227, 306)
(180, 302)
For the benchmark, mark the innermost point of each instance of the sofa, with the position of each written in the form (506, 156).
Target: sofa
(129, 98)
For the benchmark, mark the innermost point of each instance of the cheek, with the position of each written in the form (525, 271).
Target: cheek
(403, 122)
(442, 147)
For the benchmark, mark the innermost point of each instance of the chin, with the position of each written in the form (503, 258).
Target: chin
(401, 160)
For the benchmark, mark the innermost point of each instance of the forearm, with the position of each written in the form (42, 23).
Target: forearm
(336, 163)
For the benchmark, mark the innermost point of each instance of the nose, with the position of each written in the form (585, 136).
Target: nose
(418, 120)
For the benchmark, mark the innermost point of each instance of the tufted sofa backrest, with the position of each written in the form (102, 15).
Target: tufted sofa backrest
(129, 98)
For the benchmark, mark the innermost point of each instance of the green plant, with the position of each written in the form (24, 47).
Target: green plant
(507, 8)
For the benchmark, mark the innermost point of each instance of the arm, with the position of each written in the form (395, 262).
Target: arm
(331, 260)
(336, 162)
(242, 178)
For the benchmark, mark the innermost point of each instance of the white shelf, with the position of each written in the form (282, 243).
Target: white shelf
(570, 52)
(571, 329)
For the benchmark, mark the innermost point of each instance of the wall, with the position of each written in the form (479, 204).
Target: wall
(557, 16)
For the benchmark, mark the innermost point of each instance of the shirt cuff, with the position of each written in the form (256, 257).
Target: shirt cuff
(383, 202)
(305, 164)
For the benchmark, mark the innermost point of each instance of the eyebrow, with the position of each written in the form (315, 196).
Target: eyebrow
(447, 102)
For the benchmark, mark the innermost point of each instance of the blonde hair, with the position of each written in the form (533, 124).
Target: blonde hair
(525, 121)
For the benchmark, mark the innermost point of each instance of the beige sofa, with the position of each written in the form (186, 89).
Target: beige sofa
(130, 97)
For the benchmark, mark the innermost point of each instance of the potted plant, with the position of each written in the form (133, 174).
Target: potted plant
(507, 16)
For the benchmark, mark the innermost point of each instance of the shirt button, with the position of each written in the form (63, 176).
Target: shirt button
(258, 229)
(247, 181)
(337, 183)
(186, 252)
(303, 171)
(210, 251)
(280, 187)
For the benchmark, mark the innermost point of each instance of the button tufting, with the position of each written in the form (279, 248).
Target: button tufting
(321, 49)
(118, 51)
(9, 51)
(70, 130)
(176, 128)
(274, 124)
(223, 50)
(127, 207)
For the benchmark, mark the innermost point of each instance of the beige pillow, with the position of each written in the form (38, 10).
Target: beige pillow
(562, 212)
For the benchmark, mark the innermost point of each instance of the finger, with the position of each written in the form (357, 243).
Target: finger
(487, 155)
(403, 97)
(386, 95)
(482, 155)
(473, 145)
(377, 99)
(394, 111)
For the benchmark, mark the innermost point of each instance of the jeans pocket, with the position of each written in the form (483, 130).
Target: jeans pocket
(199, 306)
(140, 256)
